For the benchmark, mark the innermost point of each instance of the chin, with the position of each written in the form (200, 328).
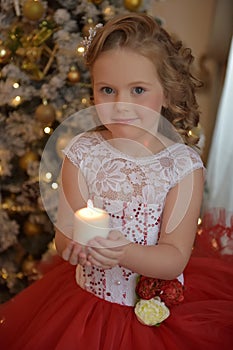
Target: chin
(125, 130)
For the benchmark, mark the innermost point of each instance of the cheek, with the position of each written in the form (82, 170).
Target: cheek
(96, 97)
(104, 111)
(154, 102)
(101, 99)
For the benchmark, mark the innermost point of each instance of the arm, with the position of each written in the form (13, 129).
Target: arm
(178, 229)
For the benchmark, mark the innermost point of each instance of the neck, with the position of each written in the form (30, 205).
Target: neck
(143, 147)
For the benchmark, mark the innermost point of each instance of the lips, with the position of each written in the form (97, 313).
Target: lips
(124, 121)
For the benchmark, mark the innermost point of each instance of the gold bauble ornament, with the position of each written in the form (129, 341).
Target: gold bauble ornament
(74, 75)
(132, 5)
(8, 203)
(109, 12)
(26, 159)
(31, 228)
(45, 113)
(33, 10)
(5, 54)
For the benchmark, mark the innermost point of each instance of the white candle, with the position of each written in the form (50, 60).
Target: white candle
(90, 222)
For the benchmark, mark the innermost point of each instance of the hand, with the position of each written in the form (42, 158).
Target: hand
(107, 252)
(75, 254)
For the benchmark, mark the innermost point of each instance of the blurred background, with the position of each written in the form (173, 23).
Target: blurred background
(43, 81)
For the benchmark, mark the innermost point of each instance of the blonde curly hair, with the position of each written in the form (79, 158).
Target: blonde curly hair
(142, 34)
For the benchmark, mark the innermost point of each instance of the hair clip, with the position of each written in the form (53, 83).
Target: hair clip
(86, 42)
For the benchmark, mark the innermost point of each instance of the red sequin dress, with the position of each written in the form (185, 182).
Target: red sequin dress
(90, 308)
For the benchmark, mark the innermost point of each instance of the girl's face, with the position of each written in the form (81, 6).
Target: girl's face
(127, 93)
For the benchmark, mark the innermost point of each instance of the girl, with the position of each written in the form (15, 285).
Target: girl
(151, 186)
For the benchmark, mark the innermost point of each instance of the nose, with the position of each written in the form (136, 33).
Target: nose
(122, 107)
(123, 96)
(122, 102)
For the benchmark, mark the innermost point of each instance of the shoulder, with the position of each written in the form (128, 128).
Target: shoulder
(80, 146)
(87, 138)
(179, 152)
(82, 142)
(185, 160)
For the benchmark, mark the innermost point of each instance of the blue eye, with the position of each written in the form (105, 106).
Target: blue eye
(107, 90)
(138, 90)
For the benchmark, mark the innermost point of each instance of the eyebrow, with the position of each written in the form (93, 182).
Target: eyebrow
(134, 83)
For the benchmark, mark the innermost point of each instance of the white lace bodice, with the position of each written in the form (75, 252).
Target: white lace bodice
(133, 192)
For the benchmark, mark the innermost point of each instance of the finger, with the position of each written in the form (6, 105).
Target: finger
(82, 260)
(97, 242)
(95, 262)
(88, 263)
(67, 251)
(100, 242)
(108, 258)
(105, 253)
(117, 239)
(74, 256)
(82, 255)
(73, 259)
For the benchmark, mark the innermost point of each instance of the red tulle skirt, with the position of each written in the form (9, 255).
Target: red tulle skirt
(55, 313)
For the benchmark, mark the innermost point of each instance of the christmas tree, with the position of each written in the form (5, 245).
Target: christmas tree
(43, 80)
